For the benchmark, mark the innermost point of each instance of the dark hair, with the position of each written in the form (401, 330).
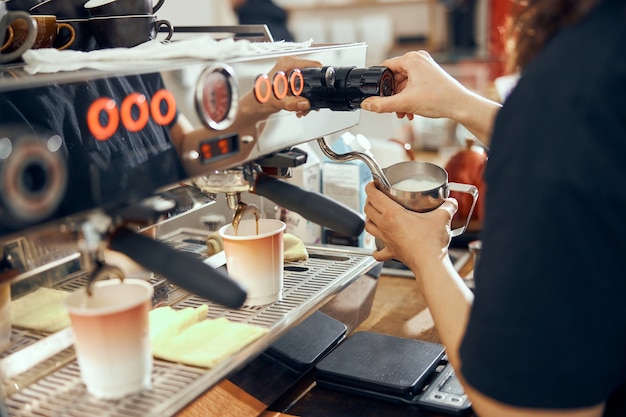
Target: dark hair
(534, 24)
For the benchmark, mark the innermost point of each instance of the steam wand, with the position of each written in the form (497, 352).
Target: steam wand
(379, 176)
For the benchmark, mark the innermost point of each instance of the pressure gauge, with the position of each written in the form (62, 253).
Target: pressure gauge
(217, 96)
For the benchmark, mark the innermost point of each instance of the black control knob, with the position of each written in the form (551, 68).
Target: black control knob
(344, 88)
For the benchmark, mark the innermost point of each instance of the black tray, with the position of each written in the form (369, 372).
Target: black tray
(378, 365)
(304, 345)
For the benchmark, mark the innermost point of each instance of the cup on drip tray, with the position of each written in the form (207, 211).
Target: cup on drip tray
(111, 336)
(255, 258)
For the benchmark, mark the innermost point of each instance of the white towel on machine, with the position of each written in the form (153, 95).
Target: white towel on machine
(50, 60)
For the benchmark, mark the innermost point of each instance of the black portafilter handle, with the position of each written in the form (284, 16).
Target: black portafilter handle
(180, 268)
(310, 205)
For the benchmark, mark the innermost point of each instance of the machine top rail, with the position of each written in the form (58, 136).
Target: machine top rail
(23, 76)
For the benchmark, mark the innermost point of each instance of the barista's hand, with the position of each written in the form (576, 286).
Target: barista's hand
(415, 239)
(422, 87)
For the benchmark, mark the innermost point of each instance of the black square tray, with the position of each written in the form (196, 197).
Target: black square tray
(305, 344)
(378, 365)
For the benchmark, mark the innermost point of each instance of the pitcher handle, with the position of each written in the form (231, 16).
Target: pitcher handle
(467, 189)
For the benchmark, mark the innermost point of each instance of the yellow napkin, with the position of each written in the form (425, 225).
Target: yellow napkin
(214, 243)
(187, 336)
(294, 248)
(41, 310)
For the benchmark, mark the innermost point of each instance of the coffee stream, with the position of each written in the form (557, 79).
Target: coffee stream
(242, 210)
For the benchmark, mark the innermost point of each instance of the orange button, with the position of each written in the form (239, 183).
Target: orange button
(140, 101)
(107, 105)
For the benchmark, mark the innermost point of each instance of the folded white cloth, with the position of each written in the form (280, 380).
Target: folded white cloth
(48, 60)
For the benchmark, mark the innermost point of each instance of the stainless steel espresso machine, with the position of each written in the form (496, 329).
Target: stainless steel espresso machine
(87, 165)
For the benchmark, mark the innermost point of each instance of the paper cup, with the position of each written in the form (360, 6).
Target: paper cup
(256, 260)
(111, 333)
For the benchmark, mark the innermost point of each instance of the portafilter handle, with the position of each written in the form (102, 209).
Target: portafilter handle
(180, 268)
(313, 206)
(377, 173)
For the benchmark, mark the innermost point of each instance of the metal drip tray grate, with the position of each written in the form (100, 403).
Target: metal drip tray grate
(307, 285)
(62, 393)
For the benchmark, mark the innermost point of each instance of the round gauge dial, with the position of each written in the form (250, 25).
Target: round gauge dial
(217, 97)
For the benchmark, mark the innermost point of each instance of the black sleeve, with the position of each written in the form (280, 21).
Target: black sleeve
(547, 327)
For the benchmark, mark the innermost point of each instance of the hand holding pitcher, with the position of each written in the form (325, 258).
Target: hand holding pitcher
(422, 187)
(417, 186)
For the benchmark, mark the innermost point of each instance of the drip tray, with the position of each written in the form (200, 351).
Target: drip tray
(54, 387)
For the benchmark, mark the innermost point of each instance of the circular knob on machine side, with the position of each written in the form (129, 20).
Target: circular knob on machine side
(33, 176)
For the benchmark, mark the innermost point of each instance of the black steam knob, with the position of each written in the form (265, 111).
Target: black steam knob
(367, 82)
(344, 88)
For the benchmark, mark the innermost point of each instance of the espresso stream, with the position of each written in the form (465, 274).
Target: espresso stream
(236, 227)
(242, 210)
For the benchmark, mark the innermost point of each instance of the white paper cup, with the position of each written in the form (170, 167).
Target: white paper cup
(111, 333)
(256, 260)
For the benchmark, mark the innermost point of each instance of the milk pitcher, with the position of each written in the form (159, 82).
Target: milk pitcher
(416, 185)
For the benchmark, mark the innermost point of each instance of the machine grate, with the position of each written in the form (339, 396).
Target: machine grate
(58, 391)
(62, 394)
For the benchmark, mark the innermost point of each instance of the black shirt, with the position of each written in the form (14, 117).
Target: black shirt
(548, 324)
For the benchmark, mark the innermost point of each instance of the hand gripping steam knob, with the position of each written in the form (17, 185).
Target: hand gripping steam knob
(344, 88)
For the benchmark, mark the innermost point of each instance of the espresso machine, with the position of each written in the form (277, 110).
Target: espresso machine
(65, 202)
